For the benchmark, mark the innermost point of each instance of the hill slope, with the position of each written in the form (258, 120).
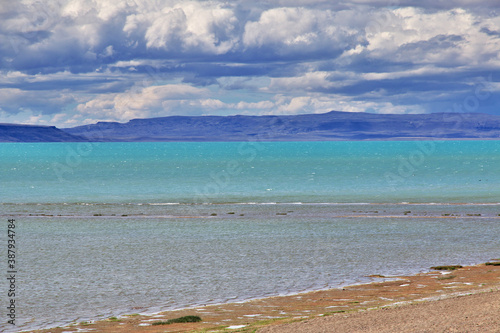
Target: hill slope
(31, 133)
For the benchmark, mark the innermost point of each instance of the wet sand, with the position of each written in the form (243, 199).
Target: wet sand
(463, 300)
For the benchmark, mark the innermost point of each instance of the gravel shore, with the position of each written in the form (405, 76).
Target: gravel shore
(472, 313)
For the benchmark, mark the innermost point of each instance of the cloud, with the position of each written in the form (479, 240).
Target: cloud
(140, 102)
(15, 100)
(207, 27)
(445, 38)
(430, 4)
(78, 61)
(299, 31)
(309, 81)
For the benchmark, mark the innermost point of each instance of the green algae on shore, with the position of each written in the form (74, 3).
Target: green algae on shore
(446, 268)
(185, 319)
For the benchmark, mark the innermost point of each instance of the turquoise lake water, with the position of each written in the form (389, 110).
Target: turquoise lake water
(441, 171)
(105, 229)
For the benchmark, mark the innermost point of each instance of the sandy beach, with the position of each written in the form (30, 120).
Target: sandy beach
(466, 299)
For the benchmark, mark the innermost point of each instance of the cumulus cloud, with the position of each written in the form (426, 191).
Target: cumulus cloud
(446, 38)
(302, 31)
(207, 27)
(140, 102)
(78, 61)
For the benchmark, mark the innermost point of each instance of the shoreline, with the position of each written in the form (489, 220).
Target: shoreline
(243, 316)
(399, 269)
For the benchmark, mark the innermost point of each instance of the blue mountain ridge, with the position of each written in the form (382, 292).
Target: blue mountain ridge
(331, 126)
(33, 133)
(334, 125)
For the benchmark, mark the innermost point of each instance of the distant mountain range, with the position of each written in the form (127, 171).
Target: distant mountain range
(32, 133)
(334, 125)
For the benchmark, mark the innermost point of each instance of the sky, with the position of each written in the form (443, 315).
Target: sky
(73, 62)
